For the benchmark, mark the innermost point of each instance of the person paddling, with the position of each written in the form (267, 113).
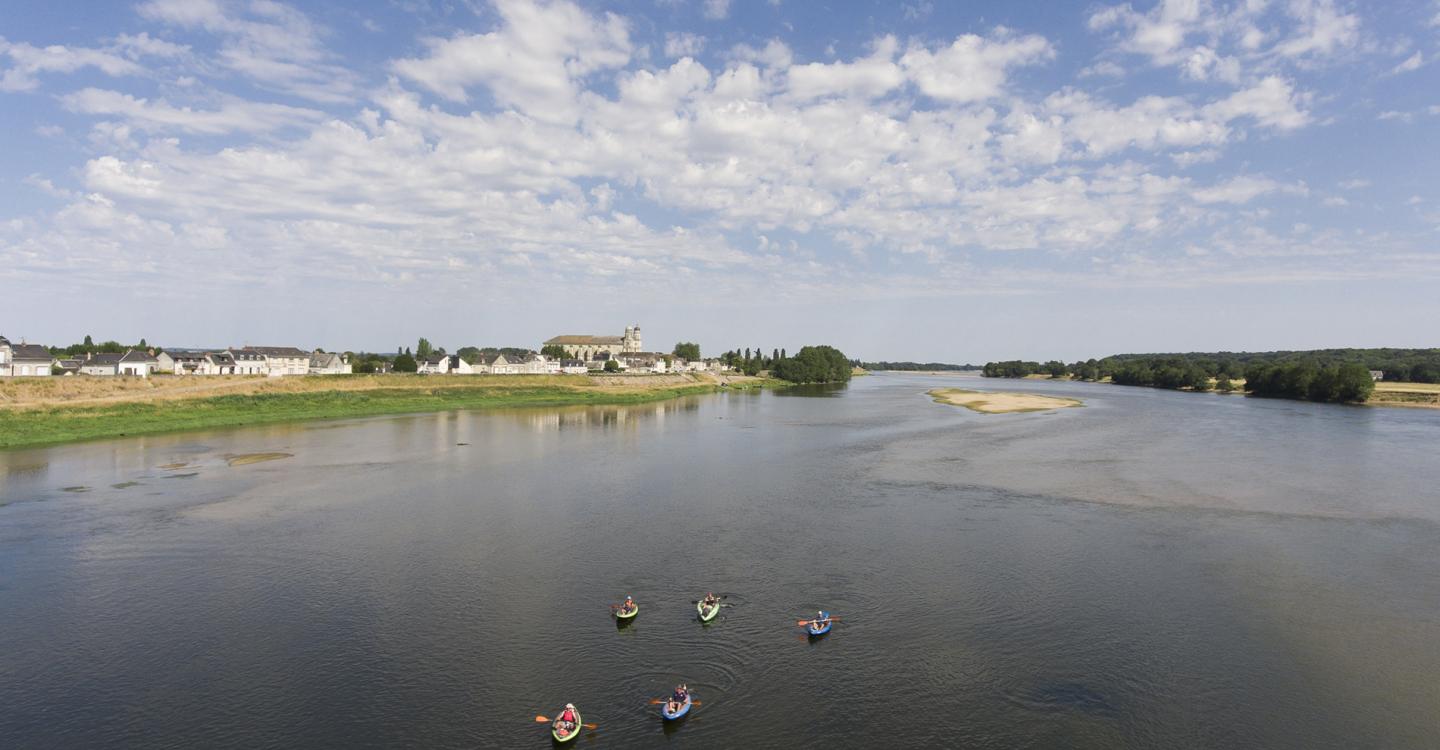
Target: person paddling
(565, 722)
(628, 606)
(820, 619)
(678, 698)
(710, 601)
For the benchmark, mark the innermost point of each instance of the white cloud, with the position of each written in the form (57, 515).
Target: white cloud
(1355, 184)
(716, 10)
(1322, 29)
(1412, 62)
(26, 62)
(868, 77)
(273, 44)
(535, 62)
(1242, 189)
(972, 68)
(684, 44)
(1335, 201)
(234, 115)
(1391, 114)
(1103, 68)
(1272, 102)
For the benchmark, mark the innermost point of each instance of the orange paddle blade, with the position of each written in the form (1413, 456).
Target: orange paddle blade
(541, 718)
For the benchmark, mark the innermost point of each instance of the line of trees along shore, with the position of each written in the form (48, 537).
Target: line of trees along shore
(812, 364)
(1318, 375)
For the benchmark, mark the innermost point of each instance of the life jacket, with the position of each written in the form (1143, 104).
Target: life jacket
(568, 716)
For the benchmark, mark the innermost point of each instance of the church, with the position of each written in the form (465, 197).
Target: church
(603, 347)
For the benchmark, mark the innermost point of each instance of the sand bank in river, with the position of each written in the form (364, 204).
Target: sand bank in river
(991, 402)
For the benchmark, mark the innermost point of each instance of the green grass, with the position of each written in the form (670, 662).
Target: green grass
(62, 424)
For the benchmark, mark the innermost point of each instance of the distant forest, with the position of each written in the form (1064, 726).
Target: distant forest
(1318, 375)
(911, 366)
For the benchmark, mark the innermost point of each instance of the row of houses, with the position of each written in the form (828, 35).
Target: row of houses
(31, 360)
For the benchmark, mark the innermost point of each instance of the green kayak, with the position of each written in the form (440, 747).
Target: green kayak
(621, 614)
(706, 615)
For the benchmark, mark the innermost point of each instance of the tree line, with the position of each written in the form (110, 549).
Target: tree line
(1318, 375)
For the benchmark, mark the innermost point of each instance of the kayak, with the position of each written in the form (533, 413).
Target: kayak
(684, 709)
(621, 614)
(572, 733)
(823, 629)
(706, 615)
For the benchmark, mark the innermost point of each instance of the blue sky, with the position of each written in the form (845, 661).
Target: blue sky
(918, 180)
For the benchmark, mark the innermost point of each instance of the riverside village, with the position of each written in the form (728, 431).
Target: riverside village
(565, 354)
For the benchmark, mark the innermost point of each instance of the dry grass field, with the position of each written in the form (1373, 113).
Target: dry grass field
(26, 393)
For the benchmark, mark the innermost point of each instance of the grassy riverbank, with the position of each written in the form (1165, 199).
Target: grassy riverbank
(58, 412)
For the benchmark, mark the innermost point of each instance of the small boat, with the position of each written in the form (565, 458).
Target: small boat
(706, 615)
(621, 614)
(824, 627)
(570, 735)
(684, 709)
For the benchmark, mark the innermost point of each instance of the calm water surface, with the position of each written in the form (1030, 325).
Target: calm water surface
(1157, 570)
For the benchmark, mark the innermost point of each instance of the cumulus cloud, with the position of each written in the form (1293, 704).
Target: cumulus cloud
(534, 62)
(972, 68)
(547, 147)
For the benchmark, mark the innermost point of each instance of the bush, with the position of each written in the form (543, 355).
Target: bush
(612, 365)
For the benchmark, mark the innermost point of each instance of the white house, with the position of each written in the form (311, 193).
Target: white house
(101, 365)
(573, 367)
(437, 364)
(24, 360)
(496, 364)
(192, 362)
(644, 362)
(137, 363)
(248, 362)
(329, 363)
(282, 360)
(459, 366)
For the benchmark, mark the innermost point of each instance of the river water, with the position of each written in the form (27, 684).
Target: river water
(1156, 570)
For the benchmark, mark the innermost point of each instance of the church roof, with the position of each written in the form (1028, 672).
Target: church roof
(585, 340)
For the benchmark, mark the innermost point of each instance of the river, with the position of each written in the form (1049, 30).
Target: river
(1153, 570)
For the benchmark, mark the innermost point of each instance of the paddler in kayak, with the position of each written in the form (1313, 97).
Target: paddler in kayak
(710, 601)
(628, 606)
(565, 722)
(678, 698)
(820, 619)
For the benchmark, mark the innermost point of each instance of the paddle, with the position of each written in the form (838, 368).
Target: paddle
(543, 720)
(722, 596)
(658, 701)
(803, 623)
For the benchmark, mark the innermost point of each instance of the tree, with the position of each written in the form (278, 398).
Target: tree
(88, 342)
(814, 364)
(423, 350)
(143, 345)
(405, 363)
(612, 365)
(552, 351)
(1224, 384)
(1055, 368)
(688, 351)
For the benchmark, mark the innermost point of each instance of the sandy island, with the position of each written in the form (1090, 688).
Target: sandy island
(989, 402)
